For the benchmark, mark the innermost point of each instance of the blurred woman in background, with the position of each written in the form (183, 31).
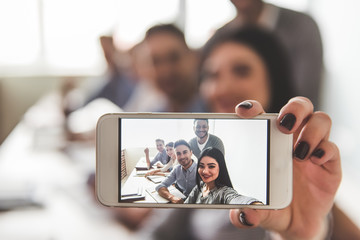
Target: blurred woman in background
(246, 64)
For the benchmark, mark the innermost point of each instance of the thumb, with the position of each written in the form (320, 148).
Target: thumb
(246, 217)
(274, 220)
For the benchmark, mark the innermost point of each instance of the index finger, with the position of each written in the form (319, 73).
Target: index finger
(294, 114)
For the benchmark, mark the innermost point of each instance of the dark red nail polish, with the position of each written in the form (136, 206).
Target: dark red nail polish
(243, 220)
(301, 150)
(246, 105)
(319, 153)
(288, 121)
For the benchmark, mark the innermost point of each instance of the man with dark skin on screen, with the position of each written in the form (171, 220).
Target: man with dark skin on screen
(203, 139)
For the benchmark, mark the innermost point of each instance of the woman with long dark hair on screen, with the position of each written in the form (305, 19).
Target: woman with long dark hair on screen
(213, 182)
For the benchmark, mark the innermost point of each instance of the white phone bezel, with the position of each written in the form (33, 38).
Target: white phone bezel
(107, 166)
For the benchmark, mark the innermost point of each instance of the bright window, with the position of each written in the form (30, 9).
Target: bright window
(19, 30)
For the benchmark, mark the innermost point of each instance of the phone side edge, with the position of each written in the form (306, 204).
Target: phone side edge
(106, 177)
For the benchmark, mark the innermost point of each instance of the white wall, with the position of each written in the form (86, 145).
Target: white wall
(246, 155)
(339, 26)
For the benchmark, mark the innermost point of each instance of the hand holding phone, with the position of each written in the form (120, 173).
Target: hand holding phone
(255, 170)
(317, 175)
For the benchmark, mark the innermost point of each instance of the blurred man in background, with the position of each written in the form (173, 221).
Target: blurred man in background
(175, 68)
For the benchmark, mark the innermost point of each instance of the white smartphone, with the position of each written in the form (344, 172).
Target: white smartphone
(257, 156)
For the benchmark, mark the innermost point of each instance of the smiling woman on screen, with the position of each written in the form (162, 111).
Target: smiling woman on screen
(213, 182)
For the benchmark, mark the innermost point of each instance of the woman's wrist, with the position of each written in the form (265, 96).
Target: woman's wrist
(326, 228)
(324, 233)
(330, 225)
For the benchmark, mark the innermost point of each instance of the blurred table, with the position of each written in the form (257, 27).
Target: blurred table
(137, 182)
(38, 164)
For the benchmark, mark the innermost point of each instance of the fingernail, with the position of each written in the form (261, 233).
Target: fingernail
(246, 105)
(288, 121)
(319, 153)
(243, 220)
(301, 150)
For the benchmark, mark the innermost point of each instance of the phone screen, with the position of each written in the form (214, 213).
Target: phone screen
(214, 161)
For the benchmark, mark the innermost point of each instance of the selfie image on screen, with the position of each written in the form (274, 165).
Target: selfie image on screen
(194, 161)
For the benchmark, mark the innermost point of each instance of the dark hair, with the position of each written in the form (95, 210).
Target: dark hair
(182, 142)
(270, 50)
(223, 179)
(201, 119)
(166, 28)
(160, 140)
(170, 144)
